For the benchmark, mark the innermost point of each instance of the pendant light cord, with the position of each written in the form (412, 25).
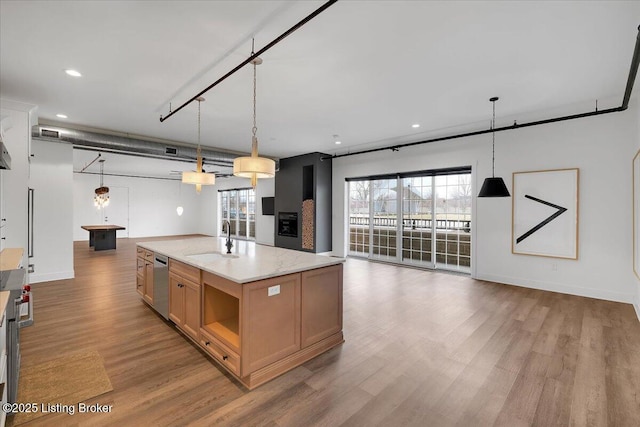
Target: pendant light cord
(254, 129)
(198, 153)
(493, 142)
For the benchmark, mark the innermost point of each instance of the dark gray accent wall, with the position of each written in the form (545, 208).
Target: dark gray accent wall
(302, 177)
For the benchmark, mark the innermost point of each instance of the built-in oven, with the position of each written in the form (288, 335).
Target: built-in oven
(288, 224)
(19, 314)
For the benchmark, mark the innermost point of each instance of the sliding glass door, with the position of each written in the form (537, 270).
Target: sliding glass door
(417, 215)
(419, 218)
(385, 219)
(359, 196)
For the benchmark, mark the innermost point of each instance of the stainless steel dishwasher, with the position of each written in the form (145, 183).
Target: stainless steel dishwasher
(161, 285)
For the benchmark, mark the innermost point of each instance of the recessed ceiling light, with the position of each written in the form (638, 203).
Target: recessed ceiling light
(62, 116)
(338, 142)
(415, 125)
(73, 73)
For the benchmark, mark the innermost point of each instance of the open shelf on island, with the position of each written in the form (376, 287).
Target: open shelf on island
(226, 329)
(221, 316)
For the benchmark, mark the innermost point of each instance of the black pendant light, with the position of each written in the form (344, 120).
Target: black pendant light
(494, 186)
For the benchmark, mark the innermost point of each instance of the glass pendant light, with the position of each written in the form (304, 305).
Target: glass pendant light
(198, 177)
(254, 167)
(101, 199)
(494, 186)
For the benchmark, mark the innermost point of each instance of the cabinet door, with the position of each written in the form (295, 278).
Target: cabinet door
(140, 284)
(140, 273)
(191, 308)
(176, 299)
(148, 282)
(271, 321)
(321, 304)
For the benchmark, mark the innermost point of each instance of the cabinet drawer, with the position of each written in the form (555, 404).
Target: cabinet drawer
(140, 252)
(148, 255)
(186, 271)
(220, 352)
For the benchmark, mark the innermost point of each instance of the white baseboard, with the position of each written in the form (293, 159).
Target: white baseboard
(636, 305)
(564, 289)
(48, 277)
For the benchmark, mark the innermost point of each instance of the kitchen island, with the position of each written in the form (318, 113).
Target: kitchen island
(259, 311)
(102, 237)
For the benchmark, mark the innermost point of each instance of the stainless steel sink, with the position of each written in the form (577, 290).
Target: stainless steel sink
(211, 256)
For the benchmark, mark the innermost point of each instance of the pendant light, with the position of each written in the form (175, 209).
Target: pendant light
(199, 178)
(494, 186)
(254, 167)
(101, 199)
(179, 209)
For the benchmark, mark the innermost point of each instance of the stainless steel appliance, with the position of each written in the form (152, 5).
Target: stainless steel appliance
(19, 314)
(30, 205)
(161, 285)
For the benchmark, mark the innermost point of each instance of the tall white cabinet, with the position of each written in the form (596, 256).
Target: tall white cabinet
(17, 140)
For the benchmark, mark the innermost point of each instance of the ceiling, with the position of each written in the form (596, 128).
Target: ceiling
(362, 70)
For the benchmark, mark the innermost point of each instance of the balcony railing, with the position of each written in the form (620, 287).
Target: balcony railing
(452, 240)
(460, 224)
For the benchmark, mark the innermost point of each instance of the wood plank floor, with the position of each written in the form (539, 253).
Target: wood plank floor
(422, 349)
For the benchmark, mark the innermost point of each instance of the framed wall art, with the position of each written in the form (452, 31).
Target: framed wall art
(636, 214)
(545, 213)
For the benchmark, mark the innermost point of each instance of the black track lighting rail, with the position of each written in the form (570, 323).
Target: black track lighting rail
(253, 56)
(633, 70)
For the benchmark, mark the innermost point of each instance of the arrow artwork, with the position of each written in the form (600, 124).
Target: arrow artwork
(560, 211)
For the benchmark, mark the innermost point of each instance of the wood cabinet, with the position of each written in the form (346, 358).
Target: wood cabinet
(256, 330)
(271, 330)
(144, 274)
(261, 329)
(184, 297)
(321, 304)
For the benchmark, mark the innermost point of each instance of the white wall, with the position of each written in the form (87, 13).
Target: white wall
(17, 139)
(52, 180)
(600, 146)
(265, 224)
(151, 202)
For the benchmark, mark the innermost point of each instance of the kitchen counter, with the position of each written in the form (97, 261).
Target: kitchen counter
(10, 258)
(259, 311)
(253, 262)
(4, 299)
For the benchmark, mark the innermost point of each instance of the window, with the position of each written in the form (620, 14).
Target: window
(238, 206)
(418, 218)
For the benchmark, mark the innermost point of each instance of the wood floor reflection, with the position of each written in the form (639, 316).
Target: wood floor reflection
(422, 349)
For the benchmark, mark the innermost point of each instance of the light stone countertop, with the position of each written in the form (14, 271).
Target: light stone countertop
(4, 299)
(254, 262)
(10, 258)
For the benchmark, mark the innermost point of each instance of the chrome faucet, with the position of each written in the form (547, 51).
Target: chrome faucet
(229, 244)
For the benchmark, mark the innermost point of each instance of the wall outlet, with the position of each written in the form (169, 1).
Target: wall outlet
(273, 290)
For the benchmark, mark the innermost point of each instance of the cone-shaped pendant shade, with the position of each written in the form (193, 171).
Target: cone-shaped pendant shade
(494, 187)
